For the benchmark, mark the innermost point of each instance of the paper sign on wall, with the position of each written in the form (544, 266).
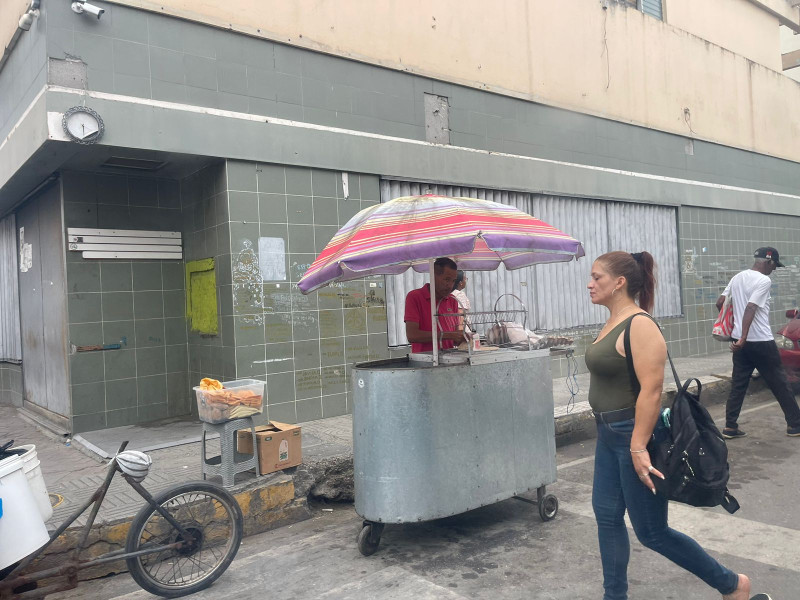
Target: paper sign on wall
(272, 258)
(25, 253)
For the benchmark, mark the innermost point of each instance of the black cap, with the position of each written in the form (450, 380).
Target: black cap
(770, 254)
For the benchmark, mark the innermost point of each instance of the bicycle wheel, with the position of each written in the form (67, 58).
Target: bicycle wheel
(212, 517)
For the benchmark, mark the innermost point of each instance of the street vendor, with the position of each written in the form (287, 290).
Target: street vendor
(418, 310)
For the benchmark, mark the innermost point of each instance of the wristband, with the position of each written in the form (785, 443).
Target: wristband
(638, 451)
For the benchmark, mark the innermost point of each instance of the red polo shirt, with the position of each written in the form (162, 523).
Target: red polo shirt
(418, 310)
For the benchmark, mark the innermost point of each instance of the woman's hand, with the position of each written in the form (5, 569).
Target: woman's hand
(644, 469)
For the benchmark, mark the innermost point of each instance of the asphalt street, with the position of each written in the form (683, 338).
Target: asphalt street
(505, 551)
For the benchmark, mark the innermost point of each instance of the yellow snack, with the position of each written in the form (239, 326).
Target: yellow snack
(210, 384)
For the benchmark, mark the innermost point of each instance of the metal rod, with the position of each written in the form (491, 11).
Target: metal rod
(434, 318)
(98, 497)
(70, 567)
(528, 500)
(122, 555)
(64, 569)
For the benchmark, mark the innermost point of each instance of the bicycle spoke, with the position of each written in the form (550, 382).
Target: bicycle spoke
(175, 571)
(211, 550)
(189, 508)
(200, 563)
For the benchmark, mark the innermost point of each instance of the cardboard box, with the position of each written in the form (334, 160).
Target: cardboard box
(279, 446)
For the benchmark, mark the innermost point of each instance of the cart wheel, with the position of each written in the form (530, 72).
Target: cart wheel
(369, 538)
(548, 507)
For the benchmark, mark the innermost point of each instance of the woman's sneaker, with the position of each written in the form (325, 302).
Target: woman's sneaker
(732, 433)
(793, 431)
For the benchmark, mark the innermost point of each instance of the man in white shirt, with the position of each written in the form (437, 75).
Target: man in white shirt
(753, 344)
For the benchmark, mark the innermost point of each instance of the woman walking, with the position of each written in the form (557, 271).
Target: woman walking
(625, 424)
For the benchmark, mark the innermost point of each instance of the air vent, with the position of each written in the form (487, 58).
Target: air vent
(125, 243)
(140, 164)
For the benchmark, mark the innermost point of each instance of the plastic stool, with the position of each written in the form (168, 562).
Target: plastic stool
(229, 462)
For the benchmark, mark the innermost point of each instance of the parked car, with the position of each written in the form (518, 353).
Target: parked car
(787, 339)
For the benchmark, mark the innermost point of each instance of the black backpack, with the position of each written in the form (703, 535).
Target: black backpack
(692, 455)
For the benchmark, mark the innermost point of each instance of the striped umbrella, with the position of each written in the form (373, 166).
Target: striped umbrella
(388, 238)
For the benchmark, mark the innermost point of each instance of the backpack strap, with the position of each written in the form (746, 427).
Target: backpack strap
(626, 342)
(729, 503)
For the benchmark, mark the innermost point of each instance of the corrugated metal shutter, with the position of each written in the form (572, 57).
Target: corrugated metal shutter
(653, 8)
(555, 294)
(10, 346)
(562, 299)
(637, 227)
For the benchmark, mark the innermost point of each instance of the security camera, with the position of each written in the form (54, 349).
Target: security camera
(26, 20)
(84, 7)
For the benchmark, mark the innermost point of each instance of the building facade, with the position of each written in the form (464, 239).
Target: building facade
(250, 132)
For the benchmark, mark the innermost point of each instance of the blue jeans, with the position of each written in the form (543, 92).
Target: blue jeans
(617, 487)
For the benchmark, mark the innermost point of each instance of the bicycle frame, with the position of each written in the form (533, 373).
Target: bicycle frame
(70, 568)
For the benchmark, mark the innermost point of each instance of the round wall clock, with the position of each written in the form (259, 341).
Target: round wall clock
(83, 125)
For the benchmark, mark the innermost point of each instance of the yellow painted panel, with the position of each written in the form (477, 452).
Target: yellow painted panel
(201, 297)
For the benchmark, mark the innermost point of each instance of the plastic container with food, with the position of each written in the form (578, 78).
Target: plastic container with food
(237, 399)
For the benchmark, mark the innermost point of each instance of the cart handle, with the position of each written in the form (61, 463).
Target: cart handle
(524, 308)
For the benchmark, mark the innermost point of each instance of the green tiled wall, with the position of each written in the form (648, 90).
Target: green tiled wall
(302, 345)
(11, 389)
(717, 244)
(138, 304)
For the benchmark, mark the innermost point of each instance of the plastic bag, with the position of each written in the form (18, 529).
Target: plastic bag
(506, 332)
(723, 326)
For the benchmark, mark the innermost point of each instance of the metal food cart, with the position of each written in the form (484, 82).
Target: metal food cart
(436, 434)
(435, 441)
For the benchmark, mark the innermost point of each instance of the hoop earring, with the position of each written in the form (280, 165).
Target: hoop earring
(613, 291)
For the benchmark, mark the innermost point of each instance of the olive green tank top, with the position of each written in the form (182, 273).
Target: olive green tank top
(609, 384)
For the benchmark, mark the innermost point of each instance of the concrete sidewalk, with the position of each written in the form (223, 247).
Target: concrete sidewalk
(280, 498)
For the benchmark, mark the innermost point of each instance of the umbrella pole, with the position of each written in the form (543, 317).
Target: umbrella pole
(434, 320)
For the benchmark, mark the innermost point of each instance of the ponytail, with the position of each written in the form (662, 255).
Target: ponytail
(639, 270)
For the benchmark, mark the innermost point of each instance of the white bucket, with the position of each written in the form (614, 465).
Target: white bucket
(33, 471)
(21, 527)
